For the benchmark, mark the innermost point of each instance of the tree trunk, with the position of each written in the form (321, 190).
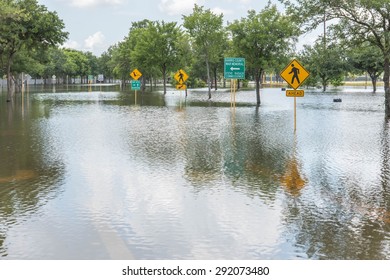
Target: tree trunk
(164, 72)
(386, 80)
(10, 85)
(215, 78)
(258, 83)
(208, 77)
(373, 80)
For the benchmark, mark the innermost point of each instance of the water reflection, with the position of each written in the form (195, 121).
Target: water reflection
(101, 174)
(28, 177)
(292, 179)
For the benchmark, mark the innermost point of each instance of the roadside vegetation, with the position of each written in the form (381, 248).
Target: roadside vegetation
(355, 41)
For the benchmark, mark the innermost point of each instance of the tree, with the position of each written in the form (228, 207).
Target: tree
(326, 65)
(77, 63)
(263, 39)
(105, 63)
(25, 24)
(367, 58)
(206, 30)
(358, 21)
(141, 55)
(158, 45)
(56, 64)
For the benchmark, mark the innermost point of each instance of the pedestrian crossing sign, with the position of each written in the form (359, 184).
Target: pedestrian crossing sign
(294, 74)
(181, 76)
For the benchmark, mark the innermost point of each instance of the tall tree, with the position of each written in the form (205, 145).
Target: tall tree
(263, 39)
(141, 55)
(206, 30)
(326, 65)
(24, 24)
(159, 44)
(367, 58)
(359, 21)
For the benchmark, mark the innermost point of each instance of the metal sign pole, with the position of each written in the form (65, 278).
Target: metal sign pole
(295, 113)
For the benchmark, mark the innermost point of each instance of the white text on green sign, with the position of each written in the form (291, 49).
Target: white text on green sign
(135, 85)
(234, 68)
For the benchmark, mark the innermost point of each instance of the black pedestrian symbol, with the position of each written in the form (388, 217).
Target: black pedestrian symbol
(295, 72)
(135, 74)
(181, 77)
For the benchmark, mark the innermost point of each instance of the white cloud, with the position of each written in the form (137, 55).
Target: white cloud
(94, 41)
(219, 11)
(177, 7)
(91, 3)
(70, 44)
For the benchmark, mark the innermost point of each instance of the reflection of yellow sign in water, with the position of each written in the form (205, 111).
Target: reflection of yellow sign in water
(294, 74)
(292, 179)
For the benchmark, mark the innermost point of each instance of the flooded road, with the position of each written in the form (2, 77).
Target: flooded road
(107, 175)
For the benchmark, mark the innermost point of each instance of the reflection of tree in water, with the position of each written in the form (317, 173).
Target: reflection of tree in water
(267, 147)
(202, 148)
(28, 179)
(250, 154)
(345, 219)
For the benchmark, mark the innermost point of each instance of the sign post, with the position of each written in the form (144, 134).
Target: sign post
(295, 74)
(234, 69)
(181, 77)
(135, 84)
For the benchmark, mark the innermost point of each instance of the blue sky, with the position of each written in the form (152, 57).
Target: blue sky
(94, 25)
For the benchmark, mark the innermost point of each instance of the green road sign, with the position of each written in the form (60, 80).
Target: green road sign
(234, 68)
(136, 85)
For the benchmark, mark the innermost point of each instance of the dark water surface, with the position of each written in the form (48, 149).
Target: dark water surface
(92, 175)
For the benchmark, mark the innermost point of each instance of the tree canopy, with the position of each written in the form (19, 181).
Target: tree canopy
(26, 25)
(263, 39)
(358, 21)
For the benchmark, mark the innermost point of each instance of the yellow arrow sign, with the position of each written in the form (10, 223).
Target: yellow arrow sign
(136, 74)
(181, 87)
(181, 76)
(294, 74)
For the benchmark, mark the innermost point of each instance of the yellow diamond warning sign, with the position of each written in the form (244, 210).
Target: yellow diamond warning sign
(294, 74)
(136, 74)
(181, 76)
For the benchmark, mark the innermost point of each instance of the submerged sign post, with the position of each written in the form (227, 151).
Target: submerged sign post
(181, 77)
(135, 84)
(295, 74)
(234, 69)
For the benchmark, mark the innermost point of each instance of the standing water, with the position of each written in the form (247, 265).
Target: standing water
(108, 175)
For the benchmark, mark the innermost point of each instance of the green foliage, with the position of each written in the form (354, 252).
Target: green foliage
(366, 58)
(207, 33)
(358, 21)
(263, 39)
(327, 65)
(157, 48)
(26, 26)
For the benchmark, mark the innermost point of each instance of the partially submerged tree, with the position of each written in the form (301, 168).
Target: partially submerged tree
(358, 21)
(263, 39)
(159, 45)
(326, 65)
(26, 25)
(206, 30)
(367, 59)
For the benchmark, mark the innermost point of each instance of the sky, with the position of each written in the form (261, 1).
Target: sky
(95, 25)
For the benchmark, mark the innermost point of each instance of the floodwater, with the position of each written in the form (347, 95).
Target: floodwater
(104, 174)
